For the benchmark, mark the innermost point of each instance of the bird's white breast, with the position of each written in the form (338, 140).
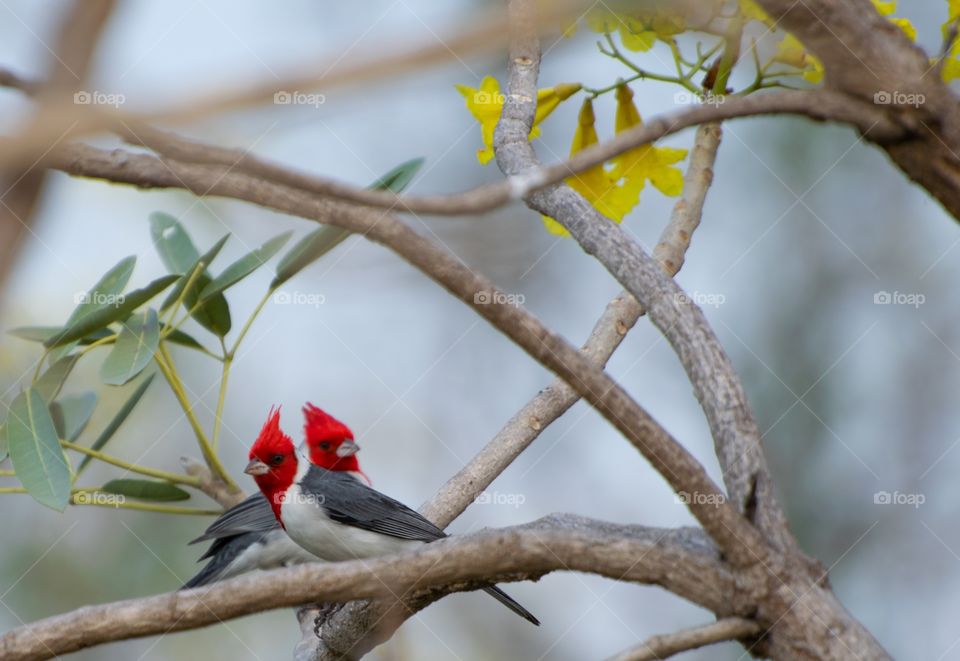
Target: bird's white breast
(308, 525)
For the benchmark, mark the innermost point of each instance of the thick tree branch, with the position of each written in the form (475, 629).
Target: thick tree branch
(681, 560)
(666, 645)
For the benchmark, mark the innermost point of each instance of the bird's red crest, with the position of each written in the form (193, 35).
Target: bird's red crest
(320, 425)
(271, 439)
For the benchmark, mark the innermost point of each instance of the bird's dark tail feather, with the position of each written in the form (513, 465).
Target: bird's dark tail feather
(508, 601)
(209, 574)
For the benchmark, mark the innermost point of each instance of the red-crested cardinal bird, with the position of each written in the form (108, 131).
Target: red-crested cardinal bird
(248, 536)
(334, 516)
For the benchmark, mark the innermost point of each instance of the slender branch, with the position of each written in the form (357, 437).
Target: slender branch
(666, 645)
(210, 484)
(814, 104)
(680, 560)
(133, 468)
(89, 497)
(715, 383)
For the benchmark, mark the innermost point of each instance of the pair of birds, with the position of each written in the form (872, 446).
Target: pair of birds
(315, 504)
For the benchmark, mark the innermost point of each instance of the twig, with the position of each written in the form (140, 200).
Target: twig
(666, 645)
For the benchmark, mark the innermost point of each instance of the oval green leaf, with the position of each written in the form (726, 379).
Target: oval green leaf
(52, 380)
(172, 242)
(162, 492)
(44, 333)
(134, 348)
(106, 316)
(71, 414)
(244, 266)
(35, 451)
(118, 420)
(319, 242)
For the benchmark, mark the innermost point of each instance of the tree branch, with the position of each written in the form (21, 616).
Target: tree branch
(666, 645)
(680, 560)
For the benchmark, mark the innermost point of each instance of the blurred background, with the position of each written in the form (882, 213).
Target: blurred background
(804, 230)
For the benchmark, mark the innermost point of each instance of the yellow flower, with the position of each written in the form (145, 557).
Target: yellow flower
(633, 168)
(951, 67)
(595, 184)
(751, 11)
(792, 53)
(486, 105)
(638, 31)
(886, 8)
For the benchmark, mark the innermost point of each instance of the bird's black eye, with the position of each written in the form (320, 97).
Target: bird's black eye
(325, 445)
(276, 459)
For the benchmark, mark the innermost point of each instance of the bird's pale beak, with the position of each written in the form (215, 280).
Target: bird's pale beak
(347, 449)
(256, 467)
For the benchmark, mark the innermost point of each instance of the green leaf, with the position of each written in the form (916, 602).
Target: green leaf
(206, 258)
(35, 450)
(106, 316)
(173, 243)
(399, 177)
(179, 337)
(104, 293)
(134, 348)
(71, 414)
(118, 420)
(44, 333)
(51, 381)
(244, 266)
(309, 249)
(146, 490)
(321, 241)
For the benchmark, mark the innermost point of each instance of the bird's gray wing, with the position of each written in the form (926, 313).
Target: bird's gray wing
(347, 501)
(254, 514)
